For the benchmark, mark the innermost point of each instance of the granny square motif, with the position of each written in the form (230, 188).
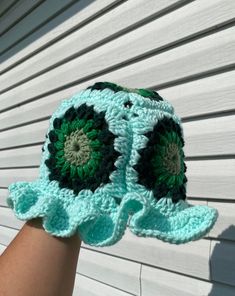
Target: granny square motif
(113, 158)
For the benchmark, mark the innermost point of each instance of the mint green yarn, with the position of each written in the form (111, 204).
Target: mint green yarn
(81, 149)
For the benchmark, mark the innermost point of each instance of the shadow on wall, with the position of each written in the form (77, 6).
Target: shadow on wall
(222, 264)
(51, 22)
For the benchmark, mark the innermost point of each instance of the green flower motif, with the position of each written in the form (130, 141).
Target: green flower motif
(81, 149)
(161, 166)
(168, 161)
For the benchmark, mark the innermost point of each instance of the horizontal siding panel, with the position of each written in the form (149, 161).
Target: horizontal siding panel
(191, 258)
(5, 5)
(208, 137)
(74, 16)
(14, 175)
(37, 17)
(197, 202)
(27, 156)
(44, 107)
(7, 218)
(186, 21)
(16, 12)
(211, 178)
(85, 286)
(7, 234)
(225, 225)
(28, 134)
(3, 196)
(119, 273)
(223, 262)
(159, 282)
(206, 179)
(201, 56)
(203, 96)
(109, 25)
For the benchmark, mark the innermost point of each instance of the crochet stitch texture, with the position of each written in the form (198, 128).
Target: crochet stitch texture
(113, 158)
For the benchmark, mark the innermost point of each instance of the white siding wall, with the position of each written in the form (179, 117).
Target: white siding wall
(183, 49)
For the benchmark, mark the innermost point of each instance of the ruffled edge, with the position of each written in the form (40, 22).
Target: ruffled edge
(175, 223)
(59, 217)
(97, 226)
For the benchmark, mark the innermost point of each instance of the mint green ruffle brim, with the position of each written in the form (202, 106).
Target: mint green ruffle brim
(103, 224)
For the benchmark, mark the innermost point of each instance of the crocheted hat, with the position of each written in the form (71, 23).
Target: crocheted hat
(113, 158)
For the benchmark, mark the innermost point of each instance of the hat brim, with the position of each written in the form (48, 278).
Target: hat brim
(175, 223)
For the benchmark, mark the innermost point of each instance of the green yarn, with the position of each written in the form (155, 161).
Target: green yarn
(64, 127)
(145, 92)
(77, 124)
(88, 126)
(92, 134)
(59, 145)
(95, 145)
(73, 171)
(65, 167)
(80, 172)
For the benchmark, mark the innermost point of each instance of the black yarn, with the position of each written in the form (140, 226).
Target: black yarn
(53, 136)
(57, 123)
(70, 114)
(128, 104)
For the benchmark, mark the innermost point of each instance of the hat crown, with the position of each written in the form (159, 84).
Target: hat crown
(113, 139)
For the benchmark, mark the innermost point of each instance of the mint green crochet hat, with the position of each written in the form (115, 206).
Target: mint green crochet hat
(113, 158)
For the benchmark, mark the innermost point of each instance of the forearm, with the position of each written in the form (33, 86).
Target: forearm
(36, 263)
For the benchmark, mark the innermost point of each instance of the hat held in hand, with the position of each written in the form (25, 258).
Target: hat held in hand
(113, 158)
